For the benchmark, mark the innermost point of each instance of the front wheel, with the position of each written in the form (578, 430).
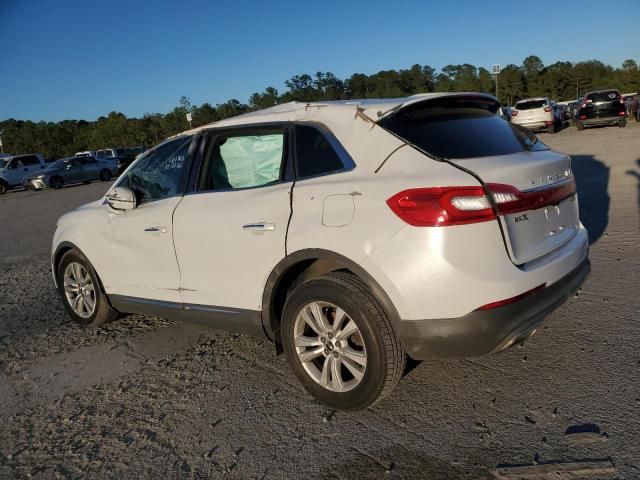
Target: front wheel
(580, 125)
(622, 123)
(3, 187)
(80, 290)
(56, 182)
(339, 342)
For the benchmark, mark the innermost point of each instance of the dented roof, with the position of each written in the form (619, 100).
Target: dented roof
(372, 108)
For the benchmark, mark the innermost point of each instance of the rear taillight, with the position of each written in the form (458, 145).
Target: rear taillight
(621, 99)
(502, 303)
(514, 113)
(547, 109)
(509, 199)
(623, 113)
(583, 117)
(442, 206)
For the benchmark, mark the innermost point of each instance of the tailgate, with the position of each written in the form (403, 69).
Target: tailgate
(533, 189)
(536, 199)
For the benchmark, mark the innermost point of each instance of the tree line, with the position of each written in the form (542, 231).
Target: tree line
(560, 81)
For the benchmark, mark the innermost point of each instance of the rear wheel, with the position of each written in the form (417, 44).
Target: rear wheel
(80, 290)
(105, 175)
(339, 342)
(551, 128)
(56, 182)
(3, 187)
(622, 123)
(580, 125)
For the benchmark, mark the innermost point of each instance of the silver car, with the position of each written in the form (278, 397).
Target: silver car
(537, 114)
(72, 170)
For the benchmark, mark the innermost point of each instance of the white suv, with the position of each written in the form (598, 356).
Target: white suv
(537, 114)
(349, 233)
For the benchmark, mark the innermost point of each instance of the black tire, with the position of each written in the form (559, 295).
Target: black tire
(385, 356)
(3, 187)
(105, 175)
(580, 125)
(56, 182)
(103, 312)
(551, 128)
(622, 123)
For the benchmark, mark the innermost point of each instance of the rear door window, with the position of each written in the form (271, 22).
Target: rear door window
(608, 96)
(314, 153)
(454, 128)
(531, 104)
(29, 160)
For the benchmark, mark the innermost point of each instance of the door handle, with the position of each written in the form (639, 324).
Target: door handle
(156, 229)
(260, 227)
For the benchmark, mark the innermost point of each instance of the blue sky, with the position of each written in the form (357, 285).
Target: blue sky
(82, 59)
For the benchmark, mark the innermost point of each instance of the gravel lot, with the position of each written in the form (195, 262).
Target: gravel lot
(145, 397)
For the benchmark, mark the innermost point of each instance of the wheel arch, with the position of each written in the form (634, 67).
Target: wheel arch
(304, 265)
(62, 248)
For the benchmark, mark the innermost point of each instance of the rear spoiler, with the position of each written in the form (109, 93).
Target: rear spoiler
(482, 100)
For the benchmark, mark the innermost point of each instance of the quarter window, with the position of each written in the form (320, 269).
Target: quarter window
(159, 174)
(245, 160)
(314, 153)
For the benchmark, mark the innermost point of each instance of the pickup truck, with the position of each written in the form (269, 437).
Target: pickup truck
(13, 170)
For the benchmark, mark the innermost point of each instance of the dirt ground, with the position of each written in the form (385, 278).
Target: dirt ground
(150, 398)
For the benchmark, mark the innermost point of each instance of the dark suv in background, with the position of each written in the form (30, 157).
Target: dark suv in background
(601, 107)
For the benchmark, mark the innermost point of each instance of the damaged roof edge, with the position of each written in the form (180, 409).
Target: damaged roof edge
(375, 109)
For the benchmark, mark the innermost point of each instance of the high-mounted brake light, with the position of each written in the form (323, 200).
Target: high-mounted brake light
(442, 206)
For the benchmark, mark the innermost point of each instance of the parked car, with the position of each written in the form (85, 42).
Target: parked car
(505, 113)
(71, 170)
(314, 228)
(537, 114)
(14, 169)
(602, 107)
(121, 156)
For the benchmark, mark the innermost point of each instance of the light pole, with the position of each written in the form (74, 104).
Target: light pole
(1, 147)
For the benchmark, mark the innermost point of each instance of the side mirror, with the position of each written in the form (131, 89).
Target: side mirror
(121, 199)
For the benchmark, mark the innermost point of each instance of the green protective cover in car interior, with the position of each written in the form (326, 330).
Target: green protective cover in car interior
(252, 160)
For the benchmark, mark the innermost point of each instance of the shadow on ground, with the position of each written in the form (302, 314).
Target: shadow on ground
(592, 177)
(636, 173)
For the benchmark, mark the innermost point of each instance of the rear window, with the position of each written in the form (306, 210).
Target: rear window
(531, 104)
(608, 96)
(451, 128)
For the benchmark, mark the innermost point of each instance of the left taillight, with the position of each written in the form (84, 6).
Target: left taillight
(442, 206)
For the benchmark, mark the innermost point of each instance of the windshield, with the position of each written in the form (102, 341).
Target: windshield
(58, 163)
(3, 163)
(451, 129)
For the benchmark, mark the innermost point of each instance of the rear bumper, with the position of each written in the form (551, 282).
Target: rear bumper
(602, 121)
(484, 332)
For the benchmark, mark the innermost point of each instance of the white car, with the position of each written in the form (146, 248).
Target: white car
(540, 113)
(349, 233)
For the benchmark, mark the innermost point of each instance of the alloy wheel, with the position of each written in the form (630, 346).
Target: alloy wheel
(79, 290)
(330, 346)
